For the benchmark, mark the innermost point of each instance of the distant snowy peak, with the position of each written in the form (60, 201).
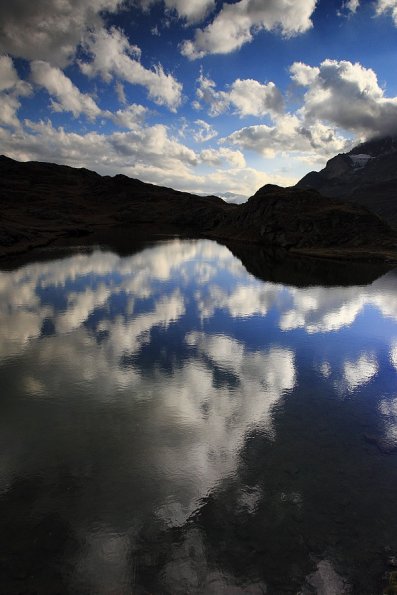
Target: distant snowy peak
(360, 160)
(232, 197)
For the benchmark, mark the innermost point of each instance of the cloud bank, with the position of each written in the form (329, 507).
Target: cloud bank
(236, 24)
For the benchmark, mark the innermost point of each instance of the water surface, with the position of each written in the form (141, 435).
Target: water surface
(171, 424)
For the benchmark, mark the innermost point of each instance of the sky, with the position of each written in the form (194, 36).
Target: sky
(205, 96)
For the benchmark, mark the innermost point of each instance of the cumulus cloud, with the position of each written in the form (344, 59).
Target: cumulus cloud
(203, 131)
(251, 98)
(130, 117)
(387, 7)
(113, 56)
(349, 7)
(192, 11)
(120, 91)
(145, 152)
(248, 97)
(8, 75)
(352, 5)
(242, 181)
(11, 88)
(217, 157)
(237, 23)
(131, 152)
(70, 99)
(50, 31)
(207, 93)
(341, 99)
(346, 95)
(9, 105)
(288, 134)
(68, 96)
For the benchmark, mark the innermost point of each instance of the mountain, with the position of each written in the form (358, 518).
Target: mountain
(366, 175)
(304, 222)
(232, 197)
(46, 204)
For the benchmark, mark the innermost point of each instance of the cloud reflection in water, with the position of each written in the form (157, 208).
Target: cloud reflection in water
(154, 371)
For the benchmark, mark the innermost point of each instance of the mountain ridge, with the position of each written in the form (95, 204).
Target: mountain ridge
(48, 204)
(366, 175)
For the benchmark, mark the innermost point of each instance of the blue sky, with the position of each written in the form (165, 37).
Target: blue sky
(206, 95)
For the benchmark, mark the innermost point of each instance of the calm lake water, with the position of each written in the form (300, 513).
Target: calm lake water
(171, 424)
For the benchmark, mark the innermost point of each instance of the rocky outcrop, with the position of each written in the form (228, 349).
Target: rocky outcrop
(304, 221)
(44, 204)
(367, 175)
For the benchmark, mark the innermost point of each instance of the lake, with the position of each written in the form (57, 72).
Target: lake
(171, 423)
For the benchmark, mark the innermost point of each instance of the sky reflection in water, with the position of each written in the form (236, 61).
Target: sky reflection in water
(172, 424)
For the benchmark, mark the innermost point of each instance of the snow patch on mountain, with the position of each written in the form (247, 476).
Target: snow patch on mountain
(360, 160)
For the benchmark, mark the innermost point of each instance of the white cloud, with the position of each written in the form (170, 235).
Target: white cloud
(130, 152)
(345, 95)
(217, 157)
(352, 5)
(9, 106)
(11, 88)
(8, 75)
(243, 181)
(288, 134)
(50, 31)
(206, 92)
(248, 97)
(349, 7)
(130, 117)
(192, 10)
(304, 75)
(203, 132)
(236, 24)
(68, 96)
(387, 7)
(146, 152)
(251, 98)
(341, 98)
(114, 56)
(120, 91)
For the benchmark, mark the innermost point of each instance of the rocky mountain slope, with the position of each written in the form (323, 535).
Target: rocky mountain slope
(41, 202)
(366, 175)
(44, 204)
(303, 221)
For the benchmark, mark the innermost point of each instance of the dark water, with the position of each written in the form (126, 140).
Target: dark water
(171, 424)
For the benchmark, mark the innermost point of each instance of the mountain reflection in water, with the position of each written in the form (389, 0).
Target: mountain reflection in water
(172, 424)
